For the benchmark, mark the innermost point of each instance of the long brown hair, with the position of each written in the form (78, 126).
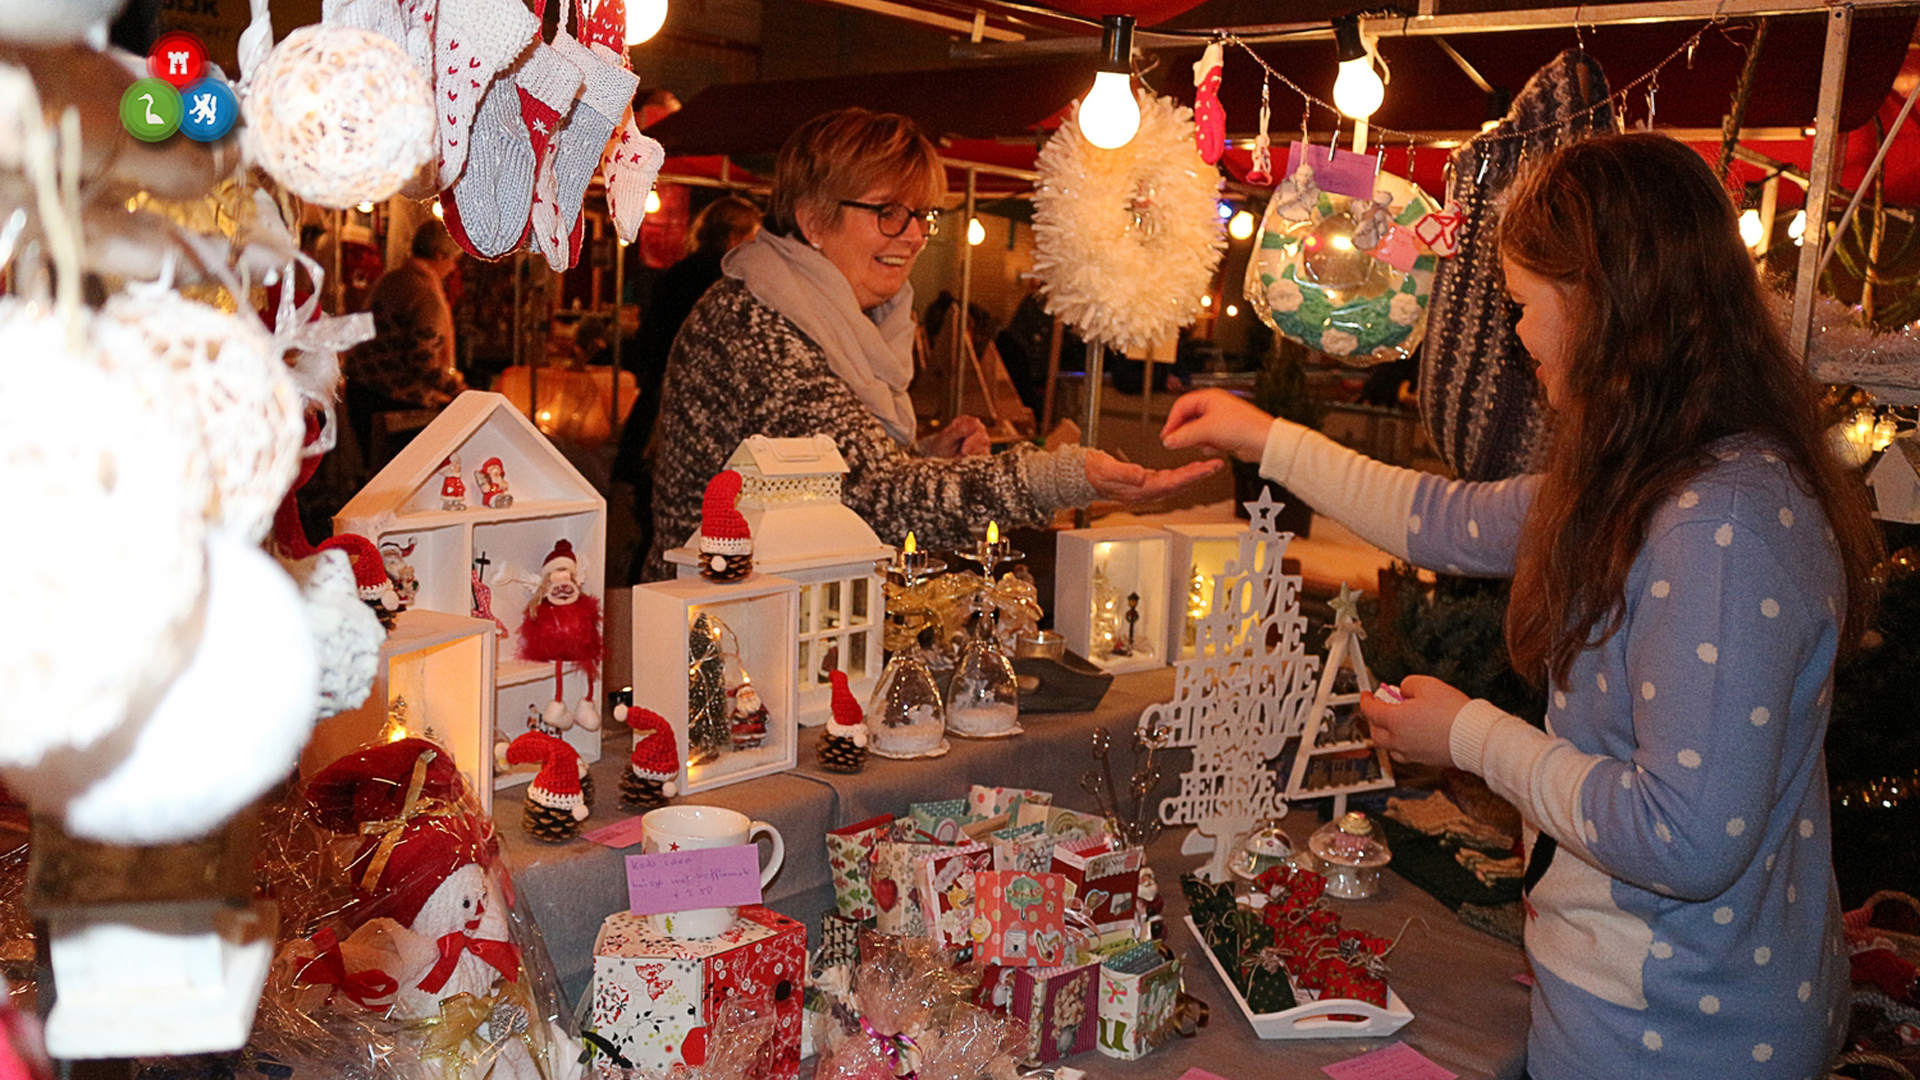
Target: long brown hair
(1670, 347)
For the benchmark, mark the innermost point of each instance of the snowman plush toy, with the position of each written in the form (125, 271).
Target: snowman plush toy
(430, 930)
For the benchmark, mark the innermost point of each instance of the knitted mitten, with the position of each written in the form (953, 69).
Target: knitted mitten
(631, 163)
(1478, 395)
(382, 17)
(474, 40)
(486, 208)
(607, 92)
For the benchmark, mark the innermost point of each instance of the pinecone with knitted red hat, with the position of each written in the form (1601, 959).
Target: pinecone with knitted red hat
(726, 544)
(369, 575)
(843, 745)
(555, 808)
(655, 764)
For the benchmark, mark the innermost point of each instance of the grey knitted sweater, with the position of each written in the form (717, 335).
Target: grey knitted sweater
(740, 368)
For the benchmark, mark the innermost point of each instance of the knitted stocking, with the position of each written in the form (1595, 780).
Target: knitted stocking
(486, 208)
(630, 165)
(606, 94)
(474, 40)
(604, 23)
(1478, 396)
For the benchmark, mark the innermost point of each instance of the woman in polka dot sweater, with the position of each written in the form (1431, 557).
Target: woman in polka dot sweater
(1686, 570)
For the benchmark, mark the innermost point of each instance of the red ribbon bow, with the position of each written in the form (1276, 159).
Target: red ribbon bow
(502, 956)
(330, 969)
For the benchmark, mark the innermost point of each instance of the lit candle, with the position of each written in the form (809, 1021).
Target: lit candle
(993, 532)
(911, 547)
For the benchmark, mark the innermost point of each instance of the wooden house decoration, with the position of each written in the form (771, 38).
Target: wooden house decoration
(1111, 597)
(483, 561)
(1336, 755)
(1238, 697)
(790, 496)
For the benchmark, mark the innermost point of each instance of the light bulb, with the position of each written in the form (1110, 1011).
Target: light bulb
(976, 232)
(439, 212)
(1750, 228)
(1358, 90)
(1206, 301)
(1109, 116)
(644, 19)
(1224, 209)
(1241, 226)
(653, 202)
(365, 207)
(1232, 310)
(1797, 228)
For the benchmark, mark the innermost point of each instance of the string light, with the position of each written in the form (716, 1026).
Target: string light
(1797, 228)
(1232, 310)
(976, 232)
(1241, 226)
(439, 212)
(1109, 116)
(1750, 228)
(1206, 301)
(1357, 91)
(653, 202)
(644, 19)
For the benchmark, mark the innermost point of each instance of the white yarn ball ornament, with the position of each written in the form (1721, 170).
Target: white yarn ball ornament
(1127, 240)
(224, 371)
(105, 557)
(340, 116)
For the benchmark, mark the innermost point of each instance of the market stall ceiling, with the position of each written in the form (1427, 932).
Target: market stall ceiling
(1428, 93)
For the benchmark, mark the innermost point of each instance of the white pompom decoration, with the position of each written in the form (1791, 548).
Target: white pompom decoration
(1127, 240)
(339, 116)
(105, 554)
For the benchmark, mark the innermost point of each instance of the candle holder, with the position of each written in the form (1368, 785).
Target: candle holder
(983, 700)
(906, 717)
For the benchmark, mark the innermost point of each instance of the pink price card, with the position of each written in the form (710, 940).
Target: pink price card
(699, 878)
(623, 833)
(1199, 1074)
(1395, 1062)
(1338, 172)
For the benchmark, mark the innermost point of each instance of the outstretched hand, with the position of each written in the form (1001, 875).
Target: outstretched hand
(1132, 485)
(1419, 729)
(1218, 421)
(965, 436)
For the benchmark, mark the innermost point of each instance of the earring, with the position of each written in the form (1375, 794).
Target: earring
(815, 243)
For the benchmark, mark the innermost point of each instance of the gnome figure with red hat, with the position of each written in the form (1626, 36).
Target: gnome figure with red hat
(369, 575)
(843, 746)
(655, 764)
(562, 627)
(556, 806)
(726, 544)
(429, 916)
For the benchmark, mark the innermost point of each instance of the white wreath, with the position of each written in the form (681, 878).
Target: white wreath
(1127, 240)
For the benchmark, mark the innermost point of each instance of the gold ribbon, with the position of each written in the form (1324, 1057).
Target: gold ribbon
(392, 829)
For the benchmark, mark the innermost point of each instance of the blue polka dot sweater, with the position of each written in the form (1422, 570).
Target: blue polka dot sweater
(1689, 925)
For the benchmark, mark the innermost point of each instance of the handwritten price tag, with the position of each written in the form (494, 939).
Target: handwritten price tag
(679, 880)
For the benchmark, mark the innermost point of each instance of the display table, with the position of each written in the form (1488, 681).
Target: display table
(1469, 1013)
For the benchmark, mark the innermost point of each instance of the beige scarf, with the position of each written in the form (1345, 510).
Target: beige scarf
(872, 351)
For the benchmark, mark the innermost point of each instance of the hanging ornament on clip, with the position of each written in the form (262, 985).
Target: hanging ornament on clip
(1209, 118)
(1261, 171)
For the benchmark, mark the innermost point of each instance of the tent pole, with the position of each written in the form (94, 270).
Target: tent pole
(963, 327)
(1826, 140)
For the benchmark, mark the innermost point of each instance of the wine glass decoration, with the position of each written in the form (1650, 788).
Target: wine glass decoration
(983, 700)
(906, 716)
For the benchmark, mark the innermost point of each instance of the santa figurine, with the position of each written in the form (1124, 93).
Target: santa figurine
(843, 746)
(726, 544)
(369, 575)
(562, 627)
(394, 557)
(430, 938)
(453, 490)
(747, 719)
(655, 764)
(556, 806)
(491, 479)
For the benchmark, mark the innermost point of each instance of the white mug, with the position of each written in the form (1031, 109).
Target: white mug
(687, 827)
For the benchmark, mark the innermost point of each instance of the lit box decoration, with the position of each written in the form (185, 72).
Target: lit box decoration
(655, 997)
(485, 561)
(1201, 554)
(435, 681)
(693, 638)
(1111, 598)
(790, 496)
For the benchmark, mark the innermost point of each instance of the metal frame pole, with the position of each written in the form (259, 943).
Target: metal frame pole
(956, 397)
(1826, 140)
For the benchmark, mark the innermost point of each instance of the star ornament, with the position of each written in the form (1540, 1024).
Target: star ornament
(1265, 513)
(1346, 609)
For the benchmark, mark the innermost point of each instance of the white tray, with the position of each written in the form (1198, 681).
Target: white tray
(1315, 1019)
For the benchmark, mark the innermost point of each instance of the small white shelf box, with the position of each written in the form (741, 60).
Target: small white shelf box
(443, 665)
(551, 501)
(790, 496)
(1134, 559)
(1205, 549)
(761, 610)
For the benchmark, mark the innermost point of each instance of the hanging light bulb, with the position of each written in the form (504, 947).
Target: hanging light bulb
(1750, 227)
(644, 19)
(439, 212)
(976, 232)
(1232, 310)
(1797, 228)
(1206, 300)
(1357, 90)
(1109, 116)
(653, 203)
(1241, 226)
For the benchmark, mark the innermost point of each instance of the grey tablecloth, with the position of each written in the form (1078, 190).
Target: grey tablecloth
(1469, 1013)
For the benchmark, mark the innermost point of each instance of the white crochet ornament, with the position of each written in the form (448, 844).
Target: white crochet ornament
(1127, 240)
(339, 116)
(103, 472)
(241, 395)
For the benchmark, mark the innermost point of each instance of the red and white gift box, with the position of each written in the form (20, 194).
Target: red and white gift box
(654, 996)
(1106, 878)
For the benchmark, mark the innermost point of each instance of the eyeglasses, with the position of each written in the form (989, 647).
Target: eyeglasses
(893, 217)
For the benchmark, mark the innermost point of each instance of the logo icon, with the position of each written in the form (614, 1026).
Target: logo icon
(177, 57)
(210, 110)
(150, 110)
(178, 94)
